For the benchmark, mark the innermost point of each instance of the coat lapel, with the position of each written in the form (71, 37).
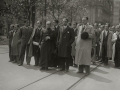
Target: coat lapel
(64, 31)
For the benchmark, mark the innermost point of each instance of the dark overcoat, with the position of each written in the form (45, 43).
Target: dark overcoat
(47, 48)
(66, 38)
(10, 35)
(15, 44)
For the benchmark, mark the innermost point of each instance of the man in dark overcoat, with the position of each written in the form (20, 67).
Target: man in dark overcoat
(14, 44)
(25, 33)
(66, 38)
(56, 31)
(10, 35)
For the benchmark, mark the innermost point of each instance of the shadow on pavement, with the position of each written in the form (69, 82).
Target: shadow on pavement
(99, 78)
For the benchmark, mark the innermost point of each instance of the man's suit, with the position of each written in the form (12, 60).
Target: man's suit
(106, 45)
(25, 33)
(66, 38)
(55, 55)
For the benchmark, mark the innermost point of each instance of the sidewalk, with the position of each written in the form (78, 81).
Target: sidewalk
(4, 40)
(14, 77)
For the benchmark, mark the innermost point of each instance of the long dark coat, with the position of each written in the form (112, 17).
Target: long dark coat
(47, 49)
(67, 37)
(10, 35)
(30, 53)
(15, 44)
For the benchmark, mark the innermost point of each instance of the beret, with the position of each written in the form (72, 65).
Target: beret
(84, 35)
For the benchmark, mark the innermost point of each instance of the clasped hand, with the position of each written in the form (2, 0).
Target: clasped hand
(48, 37)
(35, 43)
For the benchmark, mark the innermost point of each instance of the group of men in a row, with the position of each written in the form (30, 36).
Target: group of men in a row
(65, 45)
(107, 43)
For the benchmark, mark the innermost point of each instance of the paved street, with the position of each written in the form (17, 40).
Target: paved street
(13, 77)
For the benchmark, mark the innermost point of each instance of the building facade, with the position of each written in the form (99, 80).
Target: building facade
(101, 11)
(116, 12)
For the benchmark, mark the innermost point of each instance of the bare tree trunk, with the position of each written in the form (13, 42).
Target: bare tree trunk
(45, 12)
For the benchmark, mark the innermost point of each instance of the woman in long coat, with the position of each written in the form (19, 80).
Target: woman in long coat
(47, 47)
(15, 44)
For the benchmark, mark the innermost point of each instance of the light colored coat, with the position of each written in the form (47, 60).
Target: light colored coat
(114, 38)
(83, 47)
(109, 44)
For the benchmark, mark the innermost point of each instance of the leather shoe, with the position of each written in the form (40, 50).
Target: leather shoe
(79, 72)
(66, 71)
(20, 64)
(42, 68)
(62, 69)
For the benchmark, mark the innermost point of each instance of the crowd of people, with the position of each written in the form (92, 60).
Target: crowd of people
(65, 45)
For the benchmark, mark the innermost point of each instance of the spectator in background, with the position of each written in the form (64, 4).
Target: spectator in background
(74, 43)
(10, 36)
(106, 44)
(56, 29)
(15, 45)
(117, 49)
(114, 38)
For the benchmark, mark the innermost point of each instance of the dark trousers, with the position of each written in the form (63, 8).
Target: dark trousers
(36, 53)
(104, 54)
(24, 47)
(117, 58)
(86, 67)
(10, 56)
(16, 58)
(97, 50)
(65, 62)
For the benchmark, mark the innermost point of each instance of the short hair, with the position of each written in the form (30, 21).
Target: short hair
(48, 22)
(95, 24)
(69, 23)
(75, 23)
(117, 26)
(56, 21)
(85, 17)
(17, 25)
(39, 22)
(65, 19)
(108, 24)
(12, 26)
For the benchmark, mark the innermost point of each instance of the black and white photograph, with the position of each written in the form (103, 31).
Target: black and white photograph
(59, 44)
